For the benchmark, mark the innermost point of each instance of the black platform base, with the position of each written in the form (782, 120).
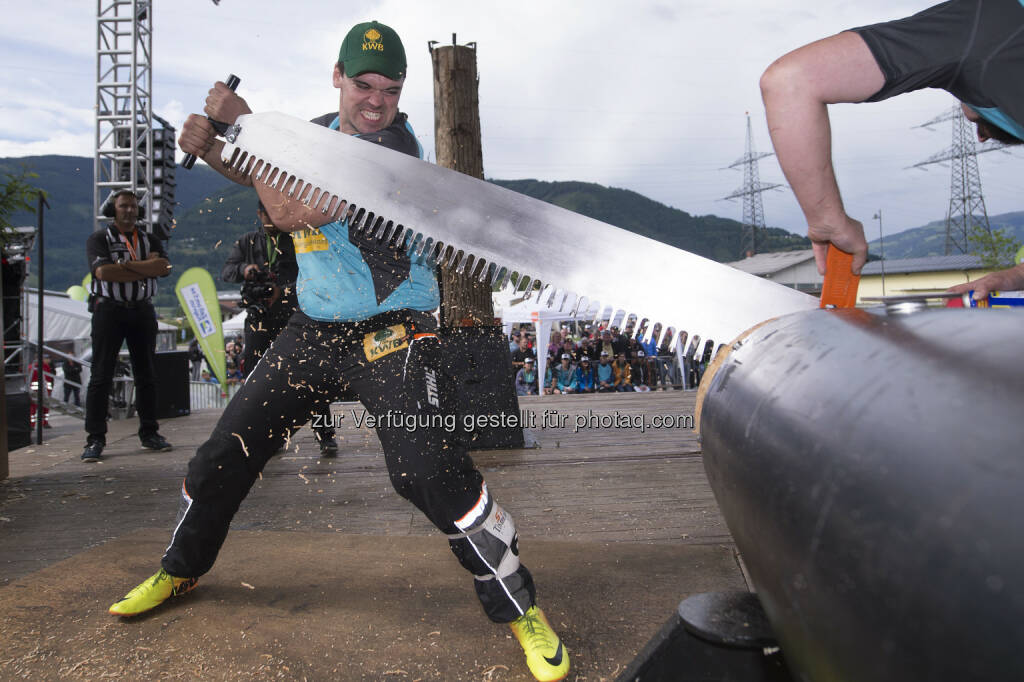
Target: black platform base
(480, 361)
(720, 636)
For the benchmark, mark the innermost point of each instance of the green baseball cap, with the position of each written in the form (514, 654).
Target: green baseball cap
(372, 47)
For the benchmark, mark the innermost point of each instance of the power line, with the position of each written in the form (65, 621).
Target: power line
(966, 201)
(753, 208)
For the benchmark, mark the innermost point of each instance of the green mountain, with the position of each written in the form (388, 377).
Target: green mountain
(930, 240)
(67, 181)
(709, 236)
(212, 212)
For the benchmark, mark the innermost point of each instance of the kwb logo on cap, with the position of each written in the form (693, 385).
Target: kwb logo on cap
(371, 41)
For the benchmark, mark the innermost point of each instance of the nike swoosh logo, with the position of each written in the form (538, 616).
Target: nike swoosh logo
(555, 660)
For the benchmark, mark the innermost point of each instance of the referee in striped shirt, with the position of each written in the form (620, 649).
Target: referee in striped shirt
(125, 263)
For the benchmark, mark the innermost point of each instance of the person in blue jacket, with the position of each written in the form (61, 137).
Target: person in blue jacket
(564, 376)
(604, 374)
(584, 376)
(365, 323)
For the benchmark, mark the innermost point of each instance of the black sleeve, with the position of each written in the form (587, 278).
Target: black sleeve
(96, 251)
(156, 247)
(235, 264)
(957, 46)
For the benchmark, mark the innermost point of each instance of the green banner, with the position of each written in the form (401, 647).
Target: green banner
(198, 298)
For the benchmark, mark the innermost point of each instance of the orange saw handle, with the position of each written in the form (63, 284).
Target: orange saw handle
(840, 287)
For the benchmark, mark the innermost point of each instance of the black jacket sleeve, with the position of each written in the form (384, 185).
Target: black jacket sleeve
(235, 264)
(97, 251)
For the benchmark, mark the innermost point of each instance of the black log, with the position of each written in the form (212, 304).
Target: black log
(871, 470)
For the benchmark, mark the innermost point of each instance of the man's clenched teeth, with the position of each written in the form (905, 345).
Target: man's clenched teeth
(371, 115)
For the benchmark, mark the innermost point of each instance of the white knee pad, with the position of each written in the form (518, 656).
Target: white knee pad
(494, 540)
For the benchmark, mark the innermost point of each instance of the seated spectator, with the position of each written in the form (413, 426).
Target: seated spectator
(588, 349)
(650, 348)
(564, 376)
(585, 376)
(526, 378)
(611, 344)
(549, 378)
(623, 379)
(640, 372)
(570, 348)
(604, 374)
(207, 378)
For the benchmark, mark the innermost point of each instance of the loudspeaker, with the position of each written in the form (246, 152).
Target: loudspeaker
(172, 375)
(19, 429)
(479, 360)
(13, 276)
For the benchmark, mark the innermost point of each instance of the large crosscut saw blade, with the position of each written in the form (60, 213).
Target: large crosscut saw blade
(575, 264)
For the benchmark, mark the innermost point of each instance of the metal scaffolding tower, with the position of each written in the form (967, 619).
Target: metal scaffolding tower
(130, 154)
(966, 202)
(753, 209)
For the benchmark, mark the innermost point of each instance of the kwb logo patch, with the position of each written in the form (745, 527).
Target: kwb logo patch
(384, 342)
(307, 241)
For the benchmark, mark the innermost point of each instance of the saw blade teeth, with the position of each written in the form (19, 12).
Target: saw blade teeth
(416, 245)
(398, 237)
(386, 231)
(466, 261)
(580, 306)
(498, 275)
(456, 258)
(373, 224)
(441, 254)
(229, 161)
(547, 295)
(480, 271)
(356, 221)
(427, 253)
(425, 245)
(278, 178)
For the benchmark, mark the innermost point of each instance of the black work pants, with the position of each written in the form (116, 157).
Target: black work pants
(309, 364)
(260, 332)
(113, 324)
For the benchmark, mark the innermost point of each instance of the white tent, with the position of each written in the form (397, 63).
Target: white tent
(512, 309)
(236, 323)
(64, 319)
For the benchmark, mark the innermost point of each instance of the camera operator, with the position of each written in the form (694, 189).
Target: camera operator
(263, 261)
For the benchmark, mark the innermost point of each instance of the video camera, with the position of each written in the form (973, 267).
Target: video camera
(259, 293)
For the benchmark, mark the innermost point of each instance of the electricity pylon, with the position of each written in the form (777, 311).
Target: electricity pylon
(753, 209)
(966, 202)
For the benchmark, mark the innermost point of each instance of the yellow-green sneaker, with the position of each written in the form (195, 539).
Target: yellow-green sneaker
(151, 593)
(545, 655)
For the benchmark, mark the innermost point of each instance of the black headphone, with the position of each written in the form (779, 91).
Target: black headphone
(108, 206)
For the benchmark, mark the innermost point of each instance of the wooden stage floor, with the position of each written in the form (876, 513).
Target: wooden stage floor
(613, 474)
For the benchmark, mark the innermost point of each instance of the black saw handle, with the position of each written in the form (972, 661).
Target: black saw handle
(232, 82)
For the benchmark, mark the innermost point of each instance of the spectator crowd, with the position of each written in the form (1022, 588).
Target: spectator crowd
(600, 360)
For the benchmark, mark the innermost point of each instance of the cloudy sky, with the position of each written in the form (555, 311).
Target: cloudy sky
(646, 95)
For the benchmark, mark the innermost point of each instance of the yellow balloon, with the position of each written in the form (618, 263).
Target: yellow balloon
(77, 293)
